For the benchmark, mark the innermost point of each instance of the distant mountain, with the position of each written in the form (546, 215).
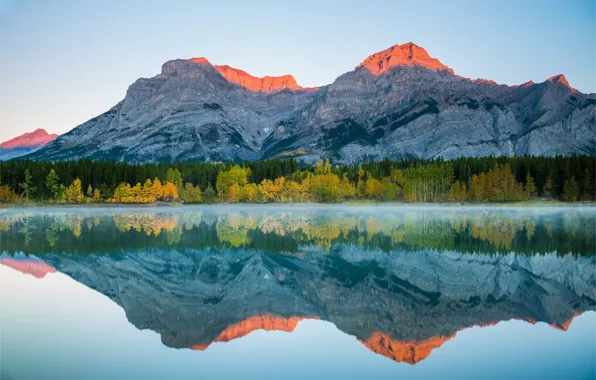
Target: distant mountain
(25, 143)
(398, 103)
(28, 265)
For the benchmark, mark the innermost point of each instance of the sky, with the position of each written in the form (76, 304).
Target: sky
(64, 62)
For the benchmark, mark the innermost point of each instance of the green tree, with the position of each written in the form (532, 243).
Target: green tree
(191, 194)
(530, 187)
(28, 188)
(52, 184)
(549, 187)
(236, 175)
(570, 190)
(175, 177)
(587, 185)
(209, 196)
(104, 191)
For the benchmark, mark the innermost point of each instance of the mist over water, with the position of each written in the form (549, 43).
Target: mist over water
(296, 291)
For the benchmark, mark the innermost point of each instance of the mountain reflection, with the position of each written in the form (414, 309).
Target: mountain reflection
(402, 282)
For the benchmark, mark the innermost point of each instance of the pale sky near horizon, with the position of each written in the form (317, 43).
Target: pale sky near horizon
(64, 62)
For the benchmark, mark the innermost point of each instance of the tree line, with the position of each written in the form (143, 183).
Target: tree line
(485, 179)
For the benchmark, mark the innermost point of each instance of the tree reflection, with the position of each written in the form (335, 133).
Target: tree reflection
(290, 231)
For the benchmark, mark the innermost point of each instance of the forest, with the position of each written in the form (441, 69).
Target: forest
(485, 179)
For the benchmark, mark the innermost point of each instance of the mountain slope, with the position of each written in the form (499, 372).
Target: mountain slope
(397, 103)
(25, 143)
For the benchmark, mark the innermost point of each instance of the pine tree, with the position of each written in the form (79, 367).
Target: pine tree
(209, 195)
(570, 190)
(52, 184)
(587, 187)
(530, 187)
(175, 177)
(28, 188)
(549, 187)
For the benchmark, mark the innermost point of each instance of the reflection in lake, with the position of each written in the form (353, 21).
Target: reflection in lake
(289, 230)
(402, 281)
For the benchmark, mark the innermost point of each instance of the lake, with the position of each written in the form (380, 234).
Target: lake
(294, 292)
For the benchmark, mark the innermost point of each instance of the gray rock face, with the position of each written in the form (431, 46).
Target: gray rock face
(191, 112)
(191, 296)
(7, 154)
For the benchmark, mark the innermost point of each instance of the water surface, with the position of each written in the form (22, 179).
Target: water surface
(297, 291)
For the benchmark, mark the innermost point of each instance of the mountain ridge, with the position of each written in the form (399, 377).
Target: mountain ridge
(25, 143)
(36, 138)
(394, 305)
(398, 103)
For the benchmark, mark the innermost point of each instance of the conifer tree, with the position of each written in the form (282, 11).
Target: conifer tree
(27, 185)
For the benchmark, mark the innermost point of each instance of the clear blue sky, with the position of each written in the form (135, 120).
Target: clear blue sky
(63, 62)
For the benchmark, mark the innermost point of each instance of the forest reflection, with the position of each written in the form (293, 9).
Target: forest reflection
(294, 230)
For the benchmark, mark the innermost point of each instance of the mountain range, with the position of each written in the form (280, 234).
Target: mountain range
(25, 143)
(402, 306)
(398, 103)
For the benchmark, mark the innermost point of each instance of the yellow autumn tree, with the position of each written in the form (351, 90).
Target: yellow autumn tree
(74, 192)
(156, 190)
(170, 192)
(249, 193)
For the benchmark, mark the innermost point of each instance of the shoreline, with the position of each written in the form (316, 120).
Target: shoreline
(357, 203)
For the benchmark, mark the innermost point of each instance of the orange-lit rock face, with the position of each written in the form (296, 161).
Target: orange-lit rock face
(528, 84)
(200, 61)
(37, 269)
(562, 80)
(407, 352)
(565, 325)
(266, 84)
(485, 81)
(401, 55)
(37, 138)
(413, 351)
(257, 322)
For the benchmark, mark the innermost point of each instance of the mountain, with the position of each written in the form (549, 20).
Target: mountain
(25, 143)
(397, 103)
(32, 266)
(401, 305)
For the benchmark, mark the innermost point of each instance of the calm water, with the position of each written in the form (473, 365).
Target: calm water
(297, 292)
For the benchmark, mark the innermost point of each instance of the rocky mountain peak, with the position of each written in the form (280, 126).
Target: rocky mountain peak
(267, 84)
(410, 352)
(408, 54)
(220, 114)
(560, 78)
(200, 61)
(37, 138)
(256, 322)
